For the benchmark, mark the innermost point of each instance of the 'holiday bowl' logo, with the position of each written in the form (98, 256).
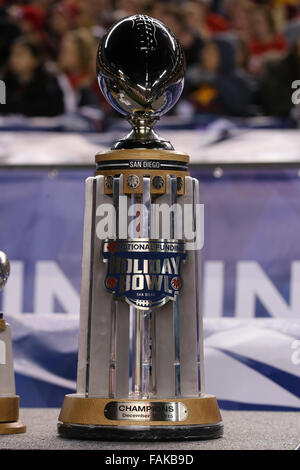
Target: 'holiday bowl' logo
(145, 272)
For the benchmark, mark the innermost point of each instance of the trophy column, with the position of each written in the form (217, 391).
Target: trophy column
(9, 401)
(140, 362)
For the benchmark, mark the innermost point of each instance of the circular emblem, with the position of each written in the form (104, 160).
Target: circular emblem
(133, 181)
(158, 182)
(176, 283)
(109, 182)
(152, 270)
(111, 282)
(112, 247)
(179, 183)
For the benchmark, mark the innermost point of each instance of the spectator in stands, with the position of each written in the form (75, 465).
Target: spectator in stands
(174, 17)
(77, 61)
(196, 20)
(201, 20)
(266, 43)
(276, 85)
(242, 55)
(89, 13)
(9, 31)
(215, 23)
(285, 10)
(128, 7)
(60, 20)
(215, 86)
(30, 19)
(238, 12)
(31, 89)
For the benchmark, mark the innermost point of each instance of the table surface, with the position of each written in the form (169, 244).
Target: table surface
(243, 430)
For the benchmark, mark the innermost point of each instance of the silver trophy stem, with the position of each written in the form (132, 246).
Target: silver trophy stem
(142, 125)
(146, 331)
(142, 134)
(175, 304)
(135, 327)
(90, 230)
(141, 321)
(135, 345)
(199, 321)
(113, 343)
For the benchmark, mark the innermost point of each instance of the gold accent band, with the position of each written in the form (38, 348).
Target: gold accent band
(140, 174)
(143, 154)
(81, 410)
(9, 408)
(12, 428)
(2, 324)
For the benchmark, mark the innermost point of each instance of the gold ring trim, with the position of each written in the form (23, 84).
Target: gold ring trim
(82, 410)
(143, 154)
(12, 428)
(2, 324)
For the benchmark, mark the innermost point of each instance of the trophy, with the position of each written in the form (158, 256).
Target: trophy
(9, 401)
(140, 360)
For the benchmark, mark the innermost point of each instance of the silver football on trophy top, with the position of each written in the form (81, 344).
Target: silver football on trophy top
(4, 269)
(140, 69)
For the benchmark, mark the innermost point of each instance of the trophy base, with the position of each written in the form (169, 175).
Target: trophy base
(9, 416)
(124, 420)
(141, 433)
(16, 427)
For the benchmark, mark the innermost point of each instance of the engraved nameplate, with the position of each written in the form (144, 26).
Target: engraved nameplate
(146, 411)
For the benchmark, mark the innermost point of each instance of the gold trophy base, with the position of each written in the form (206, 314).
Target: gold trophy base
(9, 416)
(16, 427)
(91, 418)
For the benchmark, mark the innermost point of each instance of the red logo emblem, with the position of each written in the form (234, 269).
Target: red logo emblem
(176, 283)
(111, 282)
(111, 247)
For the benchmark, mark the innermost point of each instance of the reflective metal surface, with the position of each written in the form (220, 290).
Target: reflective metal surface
(4, 269)
(176, 325)
(141, 354)
(140, 69)
(146, 411)
(113, 340)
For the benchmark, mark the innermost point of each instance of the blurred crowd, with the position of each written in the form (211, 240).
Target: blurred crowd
(242, 56)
